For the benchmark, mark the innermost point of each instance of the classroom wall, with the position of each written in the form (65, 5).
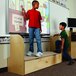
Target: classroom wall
(2, 17)
(71, 4)
(3, 60)
(57, 14)
(4, 54)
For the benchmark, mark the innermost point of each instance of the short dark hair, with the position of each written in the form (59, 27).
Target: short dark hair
(63, 24)
(35, 1)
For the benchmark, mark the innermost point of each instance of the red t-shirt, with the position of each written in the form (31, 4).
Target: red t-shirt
(34, 17)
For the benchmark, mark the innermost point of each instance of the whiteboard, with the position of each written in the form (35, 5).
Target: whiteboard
(57, 14)
(15, 6)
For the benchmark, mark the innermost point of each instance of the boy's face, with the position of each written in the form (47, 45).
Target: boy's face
(61, 27)
(36, 6)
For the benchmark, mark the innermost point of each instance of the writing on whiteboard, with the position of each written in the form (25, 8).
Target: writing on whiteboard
(17, 20)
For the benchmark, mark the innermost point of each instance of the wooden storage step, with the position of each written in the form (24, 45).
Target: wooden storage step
(20, 64)
(33, 64)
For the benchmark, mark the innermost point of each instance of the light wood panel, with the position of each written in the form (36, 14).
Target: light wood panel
(52, 42)
(73, 49)
(3, 59)
(45, 54)
(41, 63)
(16, 59)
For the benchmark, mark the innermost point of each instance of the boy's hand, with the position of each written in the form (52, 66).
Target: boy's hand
(22, 6)
(56, 35)
(40, 30)
(23, 10)
(62, 48)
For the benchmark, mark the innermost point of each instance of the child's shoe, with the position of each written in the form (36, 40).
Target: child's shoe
(39, 54)
(29, 53)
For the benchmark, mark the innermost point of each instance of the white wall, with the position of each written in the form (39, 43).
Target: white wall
(71, 4)
(57, 14)
(3, 47)
(4, 54)
(2, 17)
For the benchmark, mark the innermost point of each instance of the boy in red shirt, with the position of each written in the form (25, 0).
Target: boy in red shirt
(34, 18)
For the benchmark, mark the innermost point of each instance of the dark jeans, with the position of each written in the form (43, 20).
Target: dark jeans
(65, 54)
(58, 46)
(35, 33)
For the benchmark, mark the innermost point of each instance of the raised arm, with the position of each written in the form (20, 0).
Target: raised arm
(25, 15)
(23, 11)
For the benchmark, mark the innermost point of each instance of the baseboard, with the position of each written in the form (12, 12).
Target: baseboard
(3, 69)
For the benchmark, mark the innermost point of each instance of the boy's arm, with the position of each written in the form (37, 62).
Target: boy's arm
(56, 35)
(25, 15)
(23, 11)
(62, 45)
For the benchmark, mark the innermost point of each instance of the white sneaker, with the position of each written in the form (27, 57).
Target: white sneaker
(29, 53)
(39, 54)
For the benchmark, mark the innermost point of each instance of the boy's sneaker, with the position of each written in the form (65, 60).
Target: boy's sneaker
(71, 63)
(39, 54)
(29, 53)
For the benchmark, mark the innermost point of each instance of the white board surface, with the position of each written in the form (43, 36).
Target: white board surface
(27, 4)
(57, 14)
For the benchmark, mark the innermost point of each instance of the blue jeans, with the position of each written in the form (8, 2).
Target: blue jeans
(35, 33)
